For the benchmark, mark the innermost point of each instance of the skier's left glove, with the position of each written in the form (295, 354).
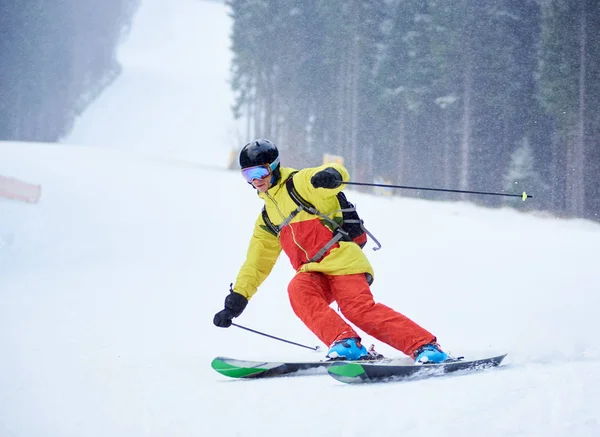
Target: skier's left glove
(235, 304)
(328, 178)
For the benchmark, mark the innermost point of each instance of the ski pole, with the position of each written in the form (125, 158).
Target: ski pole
(316, 348)
(523, 196)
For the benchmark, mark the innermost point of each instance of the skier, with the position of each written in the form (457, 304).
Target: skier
(328, 269)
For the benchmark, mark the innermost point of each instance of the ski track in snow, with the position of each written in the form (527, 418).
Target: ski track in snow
(108, 286)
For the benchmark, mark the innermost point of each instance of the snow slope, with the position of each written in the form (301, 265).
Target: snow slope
(173, 98)
(109, 285)
(108, 288)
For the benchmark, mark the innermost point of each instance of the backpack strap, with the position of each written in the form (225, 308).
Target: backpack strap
(274, 229)
(297, 198)
(375, 240)
(338, 232)
(304, 205)
(271, 228)
(337, 236)
(309, 207)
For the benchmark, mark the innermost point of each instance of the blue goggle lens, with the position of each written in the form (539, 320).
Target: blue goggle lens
(259, 171)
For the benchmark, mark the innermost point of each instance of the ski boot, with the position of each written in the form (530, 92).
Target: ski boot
(373, 354)
(347, 349)
(430, 353)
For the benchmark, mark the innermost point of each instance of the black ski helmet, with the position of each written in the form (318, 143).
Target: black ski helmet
(258, 152)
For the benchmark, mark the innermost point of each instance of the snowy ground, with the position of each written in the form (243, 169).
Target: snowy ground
(109, 285)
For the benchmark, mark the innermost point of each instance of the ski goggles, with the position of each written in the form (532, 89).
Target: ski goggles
(259, 171)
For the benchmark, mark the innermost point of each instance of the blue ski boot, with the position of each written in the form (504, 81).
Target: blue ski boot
(347, 349)
(430, 353)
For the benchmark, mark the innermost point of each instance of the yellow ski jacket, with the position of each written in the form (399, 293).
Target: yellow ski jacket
(303, 237)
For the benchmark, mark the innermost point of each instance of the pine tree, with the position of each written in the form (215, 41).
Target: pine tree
(522, 175)
(56, 59)
(569, 74)
(432, 92)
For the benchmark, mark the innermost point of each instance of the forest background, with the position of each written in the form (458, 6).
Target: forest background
(491, 95)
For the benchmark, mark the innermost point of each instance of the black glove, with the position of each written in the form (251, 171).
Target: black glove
(235, 304)
(328, 178)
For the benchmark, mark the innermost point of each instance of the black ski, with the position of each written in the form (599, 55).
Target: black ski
(353, 372)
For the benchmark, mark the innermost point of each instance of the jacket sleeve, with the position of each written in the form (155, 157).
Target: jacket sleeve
(305, 188)
(263, 251)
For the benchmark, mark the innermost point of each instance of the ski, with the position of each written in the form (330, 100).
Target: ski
(245, 369)
(354, 372)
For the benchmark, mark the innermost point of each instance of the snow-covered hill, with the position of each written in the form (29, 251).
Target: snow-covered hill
(108, 287)
(173, 98)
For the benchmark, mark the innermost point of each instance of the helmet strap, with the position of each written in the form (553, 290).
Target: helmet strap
(276, 176)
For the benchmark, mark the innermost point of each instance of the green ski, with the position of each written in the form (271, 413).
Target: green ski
(264, 369)
(234, 368)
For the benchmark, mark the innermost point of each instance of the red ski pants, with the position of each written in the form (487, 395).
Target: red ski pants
(311, 294)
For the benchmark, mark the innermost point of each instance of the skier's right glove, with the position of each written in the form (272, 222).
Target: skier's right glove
(235, 304)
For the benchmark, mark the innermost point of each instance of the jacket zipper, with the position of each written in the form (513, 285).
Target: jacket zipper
(290, 226)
